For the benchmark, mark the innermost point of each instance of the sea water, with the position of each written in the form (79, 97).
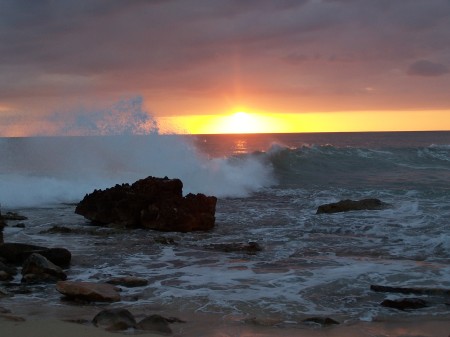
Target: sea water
(268, 188)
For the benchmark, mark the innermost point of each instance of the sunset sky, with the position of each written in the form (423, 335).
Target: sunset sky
(290, 65)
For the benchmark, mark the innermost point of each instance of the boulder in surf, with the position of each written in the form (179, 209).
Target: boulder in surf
(151, 203)
(352, 205)
(89, 291)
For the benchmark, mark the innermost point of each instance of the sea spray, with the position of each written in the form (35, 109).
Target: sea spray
(94, 148)
(45, 170)
(124, 117)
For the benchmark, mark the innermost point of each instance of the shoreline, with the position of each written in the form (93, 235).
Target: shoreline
(76, 321)
(50, 327)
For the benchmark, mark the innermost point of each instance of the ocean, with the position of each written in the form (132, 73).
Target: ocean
(268, 187)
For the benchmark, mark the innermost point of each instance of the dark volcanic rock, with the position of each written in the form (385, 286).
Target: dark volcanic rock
(17, 253)
(89, 291)
(405, 303)
(153, 203)
(352, 205)
(37, 268)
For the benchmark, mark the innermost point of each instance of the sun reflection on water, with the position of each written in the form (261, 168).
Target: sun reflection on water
(240, 146)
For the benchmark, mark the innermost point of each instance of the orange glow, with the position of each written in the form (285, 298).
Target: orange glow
(241, 122)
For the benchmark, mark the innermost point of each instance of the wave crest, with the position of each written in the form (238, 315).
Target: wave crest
(37, 171)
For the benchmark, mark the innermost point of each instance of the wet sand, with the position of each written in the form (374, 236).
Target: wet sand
(210, 326)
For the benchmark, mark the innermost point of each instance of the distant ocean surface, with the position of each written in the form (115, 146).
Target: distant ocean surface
(269, 187)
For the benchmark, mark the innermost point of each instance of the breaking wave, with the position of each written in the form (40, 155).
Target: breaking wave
(97, 148)
(348, 166)
(47, 170)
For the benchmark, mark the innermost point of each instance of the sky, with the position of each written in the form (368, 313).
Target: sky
(189, 65)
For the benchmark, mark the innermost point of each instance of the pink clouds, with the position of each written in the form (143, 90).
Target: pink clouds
(316, 54)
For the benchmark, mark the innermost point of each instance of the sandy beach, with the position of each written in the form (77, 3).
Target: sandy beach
(210, 326)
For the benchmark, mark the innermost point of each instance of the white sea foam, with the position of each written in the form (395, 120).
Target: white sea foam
(36, 171)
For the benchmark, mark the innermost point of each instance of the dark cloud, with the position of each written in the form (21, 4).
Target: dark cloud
(96, 48)
(427, 69)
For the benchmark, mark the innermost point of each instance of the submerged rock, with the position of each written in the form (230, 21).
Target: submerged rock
(411, 290)
(89, 291)
(152, 203)
(128, 281)
(352, 205)
(250, 247)
(165, 240)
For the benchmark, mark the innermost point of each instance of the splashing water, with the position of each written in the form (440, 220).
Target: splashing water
(125, 117)
(113, 146)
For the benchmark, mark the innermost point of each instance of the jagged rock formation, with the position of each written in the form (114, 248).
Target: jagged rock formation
(152, 203)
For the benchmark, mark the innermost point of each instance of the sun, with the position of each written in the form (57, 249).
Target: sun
(236, 122)
(241, 122)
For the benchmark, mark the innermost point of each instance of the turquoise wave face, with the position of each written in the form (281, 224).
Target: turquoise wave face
(424, 167)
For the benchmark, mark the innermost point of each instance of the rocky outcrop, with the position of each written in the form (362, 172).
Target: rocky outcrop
(37, 268)
(352, 205)
(17, 253)
(152, 203)
(88, 291)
